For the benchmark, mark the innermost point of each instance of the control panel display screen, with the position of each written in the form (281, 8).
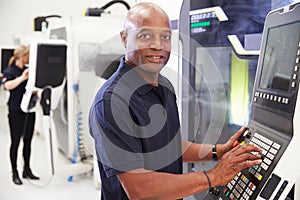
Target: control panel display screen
(202, 22)
(280, 58)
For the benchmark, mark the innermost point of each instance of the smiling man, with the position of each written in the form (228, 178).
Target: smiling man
(134, 121)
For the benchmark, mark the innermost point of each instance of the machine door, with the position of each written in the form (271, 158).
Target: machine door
(220, 46)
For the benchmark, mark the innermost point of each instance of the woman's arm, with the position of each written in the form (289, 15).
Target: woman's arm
(12, 84)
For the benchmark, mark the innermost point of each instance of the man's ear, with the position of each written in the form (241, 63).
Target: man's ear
(123, 38)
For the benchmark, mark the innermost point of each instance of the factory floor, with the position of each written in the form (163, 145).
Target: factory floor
(48, 187)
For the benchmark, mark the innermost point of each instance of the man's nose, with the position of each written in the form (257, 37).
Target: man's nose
(156, 43)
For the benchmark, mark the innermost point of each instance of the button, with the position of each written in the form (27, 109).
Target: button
(242, 184)
(259, 169)
(271, 97)
(256, 94)
(275, 98)
(268, 96)
(246, 196)
(299, 44)
(276, 146)
(252, 186)
(258, 176)
(293, 84)
(225, 190)
(252, 171)
(270, 156)
(273, 151)
(264, 96)
(296, 67)
(294, 76)
(267, 161)
(297, 60)
(266, 140)
(298, 53)
(283, 100)
(260, 95)
(255, 167)
(264, 166)
(266, 147)
(255, 99)
(286, 101)
(227, 193)
(279, 99)
(232, 182)
(239, 188)
(236, 193)
(250, 192)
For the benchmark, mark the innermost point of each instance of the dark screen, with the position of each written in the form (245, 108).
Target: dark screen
(51, 65)
(280, 56)
(6, 54)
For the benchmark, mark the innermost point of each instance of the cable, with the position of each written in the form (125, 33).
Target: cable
(28, 179)
(116, 1)
(96, 12)
(39, 20)
(79, 145)
(40, 185)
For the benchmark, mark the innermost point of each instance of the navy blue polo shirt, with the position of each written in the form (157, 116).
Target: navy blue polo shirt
(134, 125)
(16, 95)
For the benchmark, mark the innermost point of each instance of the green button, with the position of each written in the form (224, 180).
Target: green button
(228, 193)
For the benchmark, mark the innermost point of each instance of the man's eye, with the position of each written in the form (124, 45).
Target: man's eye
(166, 37)
(144, 36)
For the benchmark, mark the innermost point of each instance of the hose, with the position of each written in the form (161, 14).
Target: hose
(96, 12)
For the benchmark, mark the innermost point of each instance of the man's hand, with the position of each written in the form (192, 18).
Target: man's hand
(234, 161)
(223, 148)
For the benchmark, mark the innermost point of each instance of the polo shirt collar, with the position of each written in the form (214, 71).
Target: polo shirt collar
(135, 81)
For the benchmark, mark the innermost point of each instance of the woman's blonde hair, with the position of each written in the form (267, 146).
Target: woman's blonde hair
(18, 52)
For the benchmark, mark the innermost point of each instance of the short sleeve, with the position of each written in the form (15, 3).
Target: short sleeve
(117, 147)
(7, 75)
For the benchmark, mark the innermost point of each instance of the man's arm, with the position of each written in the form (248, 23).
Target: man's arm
(193, 152)
(145, 184)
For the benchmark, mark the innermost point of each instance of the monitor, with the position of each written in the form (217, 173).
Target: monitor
(6, 54)
(281, 53)
(50, 65)
(47, 70)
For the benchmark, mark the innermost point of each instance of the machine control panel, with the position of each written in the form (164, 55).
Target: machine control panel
(249, 182)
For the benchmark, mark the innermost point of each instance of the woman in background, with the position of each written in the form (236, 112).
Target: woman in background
(21, 124)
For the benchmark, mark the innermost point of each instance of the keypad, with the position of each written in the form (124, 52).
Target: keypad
(244, 185)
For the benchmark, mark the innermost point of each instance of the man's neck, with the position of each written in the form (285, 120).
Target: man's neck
(151, 78)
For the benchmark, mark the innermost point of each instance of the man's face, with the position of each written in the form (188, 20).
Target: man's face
(148, 44)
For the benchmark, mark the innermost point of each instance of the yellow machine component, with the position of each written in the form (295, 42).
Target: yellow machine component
(239, 94)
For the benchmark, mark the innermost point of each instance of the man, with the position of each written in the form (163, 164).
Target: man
(135, 124)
